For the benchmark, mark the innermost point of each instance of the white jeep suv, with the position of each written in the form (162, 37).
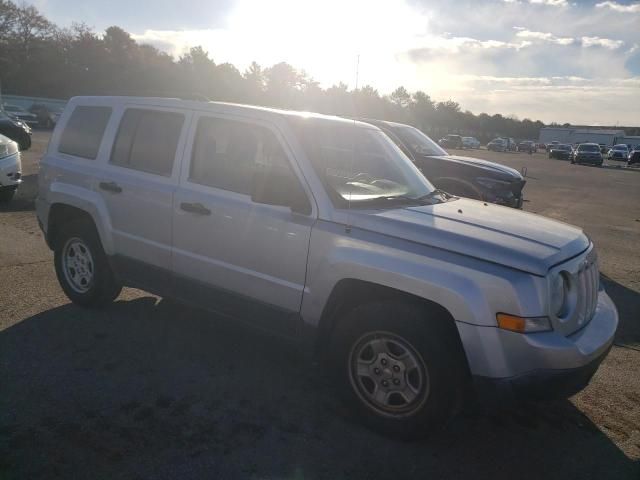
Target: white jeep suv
(321, 230)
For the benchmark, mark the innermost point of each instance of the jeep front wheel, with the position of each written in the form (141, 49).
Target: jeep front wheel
(400, 366)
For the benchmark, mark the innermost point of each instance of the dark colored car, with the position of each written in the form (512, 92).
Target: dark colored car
(561, 151)
(20, 113)
(587, 153)
(16, 130)
(451, 141)
(47, 117)
(634, 156)
(462, 176)
(527, 146)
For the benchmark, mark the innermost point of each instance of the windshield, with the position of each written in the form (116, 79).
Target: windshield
(619, 147)
(361, 164)
(563, 147)
(588, 148)
(417, 141)
(11, 108)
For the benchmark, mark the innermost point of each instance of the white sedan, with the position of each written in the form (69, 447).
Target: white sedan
(10, 168)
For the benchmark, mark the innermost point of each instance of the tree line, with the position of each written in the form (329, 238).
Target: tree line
(39, 58)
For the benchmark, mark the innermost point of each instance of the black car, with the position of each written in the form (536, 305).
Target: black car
(634, 156)
(452, 141)
(587, 153)
(561, 151)
(463, 176)
(16, 130)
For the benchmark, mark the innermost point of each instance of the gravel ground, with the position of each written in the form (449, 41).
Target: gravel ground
(150, 389)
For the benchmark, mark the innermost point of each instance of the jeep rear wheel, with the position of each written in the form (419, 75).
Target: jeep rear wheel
(82, 267)
(400, 367)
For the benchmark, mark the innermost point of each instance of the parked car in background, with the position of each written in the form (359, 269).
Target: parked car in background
(552, 144)
(451, 141)
(462, 176)
(618, 152)
(527, 146)
(320, 230)
(22, 114)
(587, 153)
(561, 151)
(470, 142)
(16, 130)
(47, 117)
(634, 156)
(10, 168)
(501, 145)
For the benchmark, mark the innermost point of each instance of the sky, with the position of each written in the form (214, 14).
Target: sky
(552, 60)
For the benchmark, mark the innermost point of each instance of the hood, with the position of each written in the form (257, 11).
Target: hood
(501, 235)
(484, 164)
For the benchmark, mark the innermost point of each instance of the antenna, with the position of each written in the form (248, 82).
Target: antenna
(353, 144)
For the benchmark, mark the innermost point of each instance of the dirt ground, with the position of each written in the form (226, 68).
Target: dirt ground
(150, 389)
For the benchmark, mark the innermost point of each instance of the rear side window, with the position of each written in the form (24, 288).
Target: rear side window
(83, 132)
(226, 153)
(147, 140)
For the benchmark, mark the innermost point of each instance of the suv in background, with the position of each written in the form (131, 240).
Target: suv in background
(587, 153)
(527, 146)
(321, 230)
(464, 176)
(451, 141)
(561, 151)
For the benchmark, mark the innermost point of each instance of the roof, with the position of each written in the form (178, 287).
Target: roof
(220, 107)
(598, 131)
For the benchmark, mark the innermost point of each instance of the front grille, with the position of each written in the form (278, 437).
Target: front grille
(588, 284)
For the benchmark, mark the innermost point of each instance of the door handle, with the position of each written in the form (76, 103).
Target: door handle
(195, 208)
(110, 187)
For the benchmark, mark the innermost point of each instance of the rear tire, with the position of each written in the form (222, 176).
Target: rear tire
(400, 369)
(82, 267)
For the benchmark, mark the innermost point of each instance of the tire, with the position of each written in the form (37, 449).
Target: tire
(82, 267)
(418, 356)
(7, 194)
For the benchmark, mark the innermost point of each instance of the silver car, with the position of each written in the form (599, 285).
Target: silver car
(321, 230)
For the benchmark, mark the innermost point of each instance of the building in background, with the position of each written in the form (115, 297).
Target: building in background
(572, 136)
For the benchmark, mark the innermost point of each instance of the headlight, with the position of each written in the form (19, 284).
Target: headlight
(8, 148)
(492, 182)
(519, 324)
(563, 295)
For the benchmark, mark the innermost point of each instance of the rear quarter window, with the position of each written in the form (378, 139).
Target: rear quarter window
(83, 132)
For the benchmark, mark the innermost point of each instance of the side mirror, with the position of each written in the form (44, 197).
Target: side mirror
(278, 186)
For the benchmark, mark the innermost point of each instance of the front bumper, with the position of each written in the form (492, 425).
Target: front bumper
(10, 171)
(592, 160)
(548, 362)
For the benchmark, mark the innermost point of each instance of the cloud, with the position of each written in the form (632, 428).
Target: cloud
(619, 7)
(552, 3)
(545, 36)
(602, 42)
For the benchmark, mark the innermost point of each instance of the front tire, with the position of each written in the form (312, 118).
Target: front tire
(400, 369)
(82, 267)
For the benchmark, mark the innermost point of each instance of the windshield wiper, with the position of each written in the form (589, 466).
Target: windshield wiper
(433, 193)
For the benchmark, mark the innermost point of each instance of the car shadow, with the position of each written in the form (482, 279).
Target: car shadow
(627, 302)
(148, 389)
(24, 198)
